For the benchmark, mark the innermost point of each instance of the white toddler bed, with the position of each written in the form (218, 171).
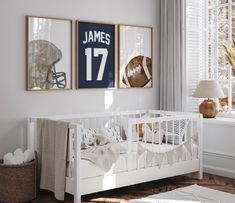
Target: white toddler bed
(158, 144)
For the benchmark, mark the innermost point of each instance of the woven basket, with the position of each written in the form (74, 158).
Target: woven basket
(18, 182)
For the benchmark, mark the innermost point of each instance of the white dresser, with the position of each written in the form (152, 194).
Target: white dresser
(219, 146)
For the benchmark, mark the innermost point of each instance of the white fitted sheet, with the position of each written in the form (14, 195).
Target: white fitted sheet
(88, 169)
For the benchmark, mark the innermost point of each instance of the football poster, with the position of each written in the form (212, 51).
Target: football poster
(95, 55)
(135, 56)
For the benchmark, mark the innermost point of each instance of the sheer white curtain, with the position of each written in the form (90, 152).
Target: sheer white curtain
(182, 53)
(172, 67)
(196, 51)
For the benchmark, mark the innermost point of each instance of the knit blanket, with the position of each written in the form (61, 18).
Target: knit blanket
(103, 156)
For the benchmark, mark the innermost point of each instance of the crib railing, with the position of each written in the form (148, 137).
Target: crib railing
(186, 126)
(174, 129)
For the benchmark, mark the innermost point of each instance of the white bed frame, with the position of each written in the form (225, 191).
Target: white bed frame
(79, 186)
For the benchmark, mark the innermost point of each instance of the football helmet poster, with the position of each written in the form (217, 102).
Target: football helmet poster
(135, 56)
(49, 63)
(95, 55)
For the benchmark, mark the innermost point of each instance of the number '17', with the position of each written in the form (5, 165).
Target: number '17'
(96, 53)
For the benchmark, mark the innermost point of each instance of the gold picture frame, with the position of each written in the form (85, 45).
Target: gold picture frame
(48, 53)
(135, 56)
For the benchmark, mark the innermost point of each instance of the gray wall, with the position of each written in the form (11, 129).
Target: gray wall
(16, 104)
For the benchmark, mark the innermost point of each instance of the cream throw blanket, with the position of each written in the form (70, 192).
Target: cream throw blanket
(104, 156)
(52, 139)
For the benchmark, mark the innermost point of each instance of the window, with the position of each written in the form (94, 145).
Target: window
(220, 32)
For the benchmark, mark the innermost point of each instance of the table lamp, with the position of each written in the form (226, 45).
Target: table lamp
(208, 89)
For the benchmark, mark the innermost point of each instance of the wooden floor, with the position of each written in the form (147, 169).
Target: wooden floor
(150, 188)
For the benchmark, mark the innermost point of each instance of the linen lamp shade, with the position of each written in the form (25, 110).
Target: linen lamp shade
(209, 89)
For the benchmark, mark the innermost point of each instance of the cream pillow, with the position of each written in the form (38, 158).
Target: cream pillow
(149, 136)
(101, 139)
(113, 133)
(88, 137)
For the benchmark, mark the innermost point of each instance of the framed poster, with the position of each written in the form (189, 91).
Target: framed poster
(48, 53)
(135, 56)
(95, 55)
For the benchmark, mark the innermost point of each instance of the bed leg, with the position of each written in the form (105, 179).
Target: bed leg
(200, 152)
(200, 175)
(77, 198)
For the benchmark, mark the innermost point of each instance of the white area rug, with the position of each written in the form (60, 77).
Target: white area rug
(190, 194)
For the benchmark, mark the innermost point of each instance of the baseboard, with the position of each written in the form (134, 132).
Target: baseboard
(219, 163)
(219, 171)
(219, 154)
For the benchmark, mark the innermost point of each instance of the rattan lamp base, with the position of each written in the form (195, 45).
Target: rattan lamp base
(208, 108)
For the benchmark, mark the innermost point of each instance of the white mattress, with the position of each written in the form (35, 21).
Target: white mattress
(88, 169)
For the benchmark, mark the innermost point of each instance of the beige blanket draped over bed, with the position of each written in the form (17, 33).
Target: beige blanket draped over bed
(104, 156)
(52, 139)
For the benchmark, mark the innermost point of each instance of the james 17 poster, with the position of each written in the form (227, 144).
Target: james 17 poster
(95, 55)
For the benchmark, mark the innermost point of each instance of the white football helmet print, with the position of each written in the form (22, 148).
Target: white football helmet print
(43, 55)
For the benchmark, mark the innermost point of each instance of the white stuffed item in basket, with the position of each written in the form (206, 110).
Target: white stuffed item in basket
(28, 156)
(18, 157)
(8, 159)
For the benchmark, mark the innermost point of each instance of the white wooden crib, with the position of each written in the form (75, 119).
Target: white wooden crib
(130, 168)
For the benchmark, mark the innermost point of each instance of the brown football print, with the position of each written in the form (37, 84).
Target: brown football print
(138, 72)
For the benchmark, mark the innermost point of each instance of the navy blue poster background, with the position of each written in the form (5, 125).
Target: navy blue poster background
(96, 47)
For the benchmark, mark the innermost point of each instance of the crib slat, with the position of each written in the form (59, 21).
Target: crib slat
(129, 144)
(191, 127)
(173, 131)
(77, 168)
(166, 134)
(180, 138)
(31, 134)
(153, 139)
(145, 135)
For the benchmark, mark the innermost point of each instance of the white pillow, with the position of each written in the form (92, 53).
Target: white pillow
(101, 139)
(149, 136)
(88, 137)
(113, 133)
